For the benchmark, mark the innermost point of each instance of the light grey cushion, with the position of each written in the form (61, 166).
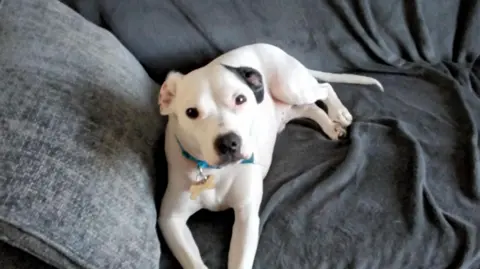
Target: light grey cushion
(78, 122)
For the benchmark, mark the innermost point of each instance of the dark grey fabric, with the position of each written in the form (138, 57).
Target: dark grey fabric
(77, 125)
(402, 191)
(14, 258)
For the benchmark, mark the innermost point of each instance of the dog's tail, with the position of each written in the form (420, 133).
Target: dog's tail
(346, 78)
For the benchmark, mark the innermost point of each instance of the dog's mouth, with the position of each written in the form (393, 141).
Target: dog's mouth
(229, 159)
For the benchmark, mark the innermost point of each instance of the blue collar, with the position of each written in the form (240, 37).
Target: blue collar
(203, 164)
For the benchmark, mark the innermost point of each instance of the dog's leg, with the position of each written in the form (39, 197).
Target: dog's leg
(294, 84)
(180, 241)
(245, 233)
(334, 130)
(174, 213)
(336, 110)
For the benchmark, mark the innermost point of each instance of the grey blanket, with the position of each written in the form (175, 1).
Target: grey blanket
(402, 191)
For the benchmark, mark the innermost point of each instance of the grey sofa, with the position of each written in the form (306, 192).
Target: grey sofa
(82, 169)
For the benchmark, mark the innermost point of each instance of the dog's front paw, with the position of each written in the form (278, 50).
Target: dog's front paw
(341, 116)
(336, 131)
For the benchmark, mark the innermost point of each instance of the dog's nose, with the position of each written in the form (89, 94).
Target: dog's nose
(229, 143)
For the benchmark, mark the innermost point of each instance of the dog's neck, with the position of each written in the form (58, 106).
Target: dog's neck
(185, 144)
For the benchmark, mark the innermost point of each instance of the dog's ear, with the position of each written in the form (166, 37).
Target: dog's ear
(252, 78)
(167, 92)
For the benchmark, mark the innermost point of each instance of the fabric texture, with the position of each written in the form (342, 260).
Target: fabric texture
(77, 126)
(403, 190)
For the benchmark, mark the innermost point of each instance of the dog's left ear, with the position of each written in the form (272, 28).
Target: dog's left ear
(252, 78)
(167, 92)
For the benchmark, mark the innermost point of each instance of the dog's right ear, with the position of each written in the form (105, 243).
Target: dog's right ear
(167, 92)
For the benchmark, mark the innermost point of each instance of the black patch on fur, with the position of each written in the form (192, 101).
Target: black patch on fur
(252, 78)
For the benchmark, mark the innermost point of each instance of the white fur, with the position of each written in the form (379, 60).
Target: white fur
(291, 91)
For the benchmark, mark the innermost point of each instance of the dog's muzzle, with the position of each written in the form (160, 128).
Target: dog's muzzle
(228, 147)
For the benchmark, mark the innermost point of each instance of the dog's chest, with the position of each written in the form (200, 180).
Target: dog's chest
(216, 199)
(234, 186)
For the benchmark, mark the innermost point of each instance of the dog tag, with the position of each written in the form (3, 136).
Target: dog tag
(197, 187)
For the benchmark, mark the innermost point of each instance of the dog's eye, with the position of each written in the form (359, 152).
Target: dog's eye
(192, 113)
(240, 99)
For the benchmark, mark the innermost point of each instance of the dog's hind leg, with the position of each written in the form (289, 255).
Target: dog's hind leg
(336, 110)
(291, 83)
(297, 87)
(334, 130)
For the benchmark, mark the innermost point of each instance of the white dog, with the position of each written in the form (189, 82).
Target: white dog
(223, 122)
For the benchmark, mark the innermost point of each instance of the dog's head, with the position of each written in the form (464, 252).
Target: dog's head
(215, 107)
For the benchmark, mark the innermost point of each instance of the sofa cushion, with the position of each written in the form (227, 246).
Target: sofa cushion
(77, 124)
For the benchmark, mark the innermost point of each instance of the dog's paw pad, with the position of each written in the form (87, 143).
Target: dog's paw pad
(337, 132)
(342, 133)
